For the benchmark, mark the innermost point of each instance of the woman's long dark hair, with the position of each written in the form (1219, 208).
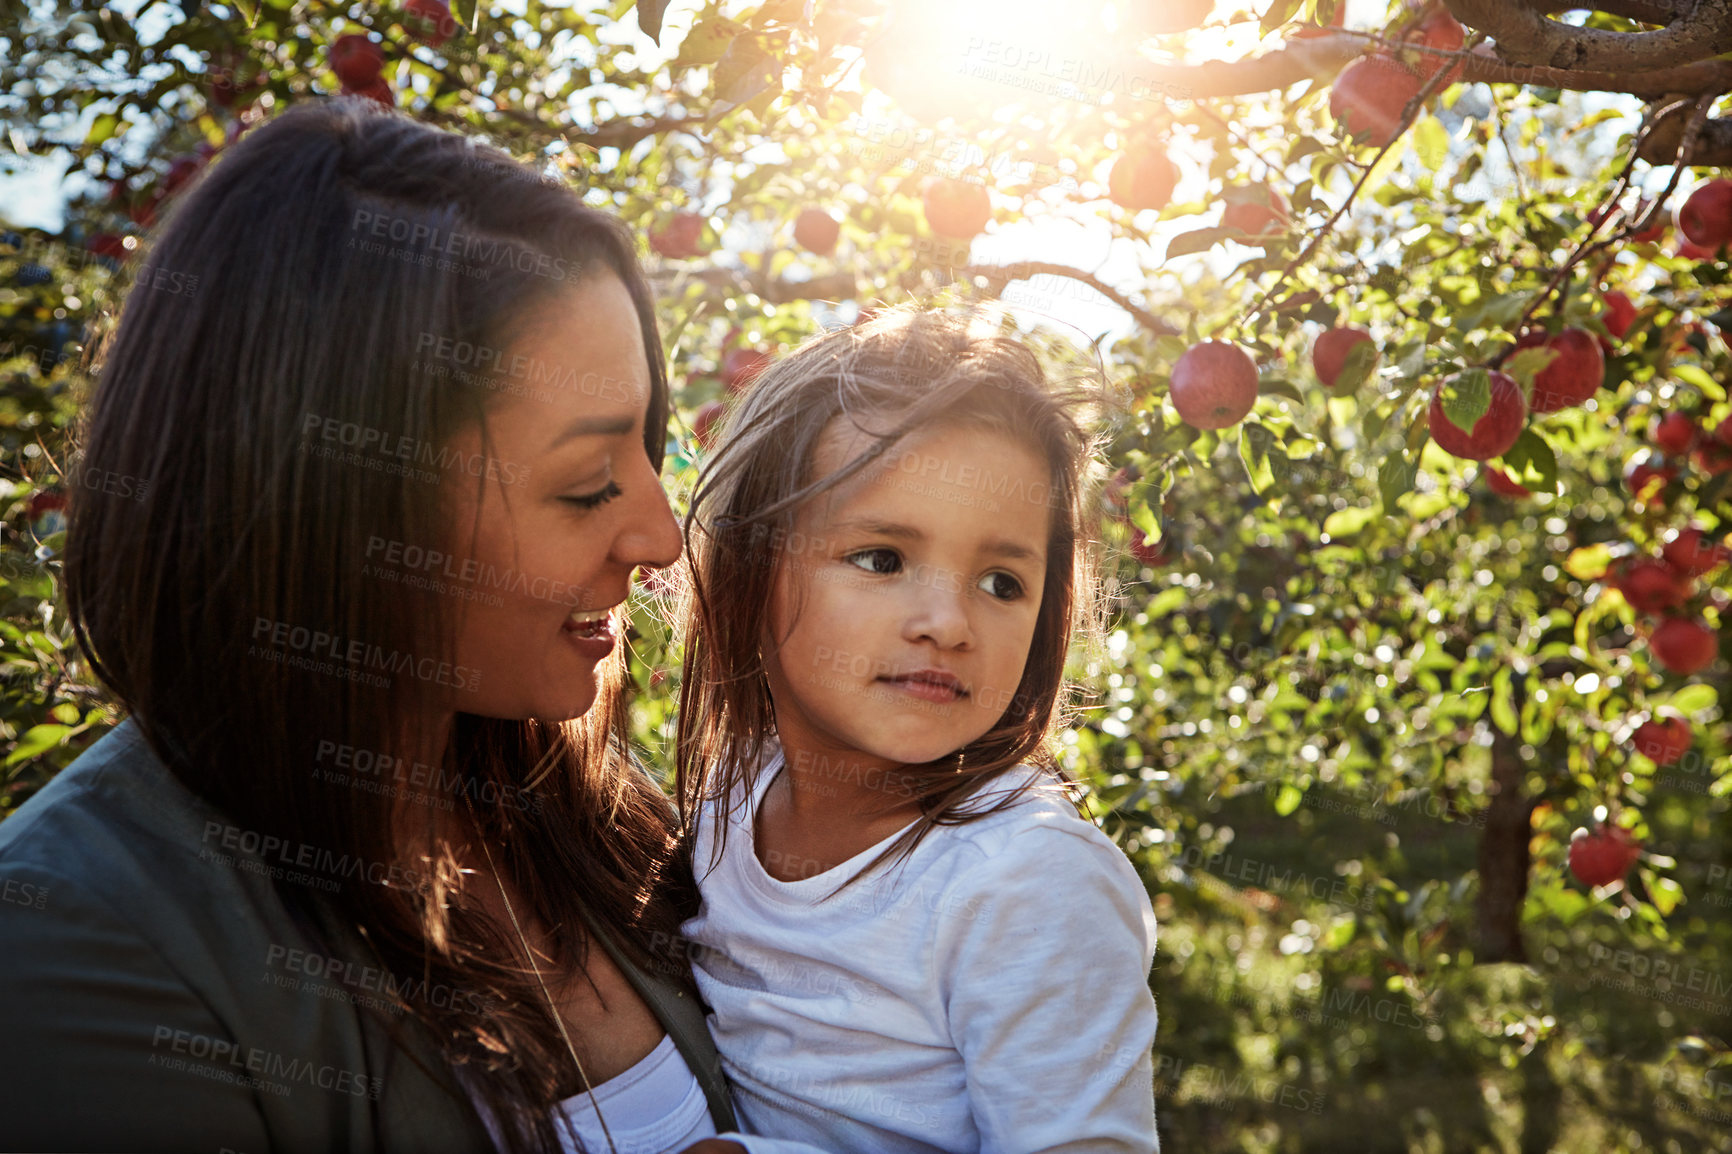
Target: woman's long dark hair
(344, 264)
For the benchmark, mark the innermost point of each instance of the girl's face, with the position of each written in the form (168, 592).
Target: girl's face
(906, 598)
(570, 505)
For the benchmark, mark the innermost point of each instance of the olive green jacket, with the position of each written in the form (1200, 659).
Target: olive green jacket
(156, 993)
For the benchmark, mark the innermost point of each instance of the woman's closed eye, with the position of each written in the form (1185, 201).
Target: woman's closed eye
(880, 560)
(1002, 586)
(596, 499)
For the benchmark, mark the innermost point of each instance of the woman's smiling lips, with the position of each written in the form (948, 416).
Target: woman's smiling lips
(934, 685)
(591, 630)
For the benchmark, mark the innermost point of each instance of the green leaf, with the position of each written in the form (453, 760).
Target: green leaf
(707, 42)
(1693, 699)
(1431, 142)
(1528, 364)
(1198, 240)
(1395, 477)
(1693, 375)
(649, 18)
(1166, 601)
(1255, 441)
(1287, 799)
(1356, 370)
(1532, 456)
(1277, 14)
(1665, 892)
(1589, 563)
(744, 71)
(38, 739)
(1503, 713)
(102, 128)
(1346, 522)
(1466, 398)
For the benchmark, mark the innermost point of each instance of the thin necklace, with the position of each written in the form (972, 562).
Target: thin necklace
(558, 1020)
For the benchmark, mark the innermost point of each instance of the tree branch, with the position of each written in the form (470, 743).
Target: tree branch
(1002, 274)
(1712, 144)
(1660, 12)
(1323, 56)
(1525, 35)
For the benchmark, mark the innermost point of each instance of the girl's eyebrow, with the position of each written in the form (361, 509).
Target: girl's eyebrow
(879, 528)
(997, 546)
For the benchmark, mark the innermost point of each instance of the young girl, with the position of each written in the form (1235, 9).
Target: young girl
(909, 939)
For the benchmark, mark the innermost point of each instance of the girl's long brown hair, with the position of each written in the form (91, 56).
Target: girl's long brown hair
(902, 371)
(332, 254)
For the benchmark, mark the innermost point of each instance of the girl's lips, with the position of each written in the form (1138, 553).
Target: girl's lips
(933, 685)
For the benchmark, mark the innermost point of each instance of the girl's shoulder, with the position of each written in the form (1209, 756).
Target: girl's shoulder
(1029, 814)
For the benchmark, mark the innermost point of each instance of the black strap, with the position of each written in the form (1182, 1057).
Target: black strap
(683, 1018)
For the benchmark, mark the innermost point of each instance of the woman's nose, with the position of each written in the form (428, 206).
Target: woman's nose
(651, 536)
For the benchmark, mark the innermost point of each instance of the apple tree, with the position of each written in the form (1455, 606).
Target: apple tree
(1412, 710)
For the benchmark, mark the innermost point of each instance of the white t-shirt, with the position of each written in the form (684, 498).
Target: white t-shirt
(988, 996)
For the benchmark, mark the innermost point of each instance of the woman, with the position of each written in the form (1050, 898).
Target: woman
(372, 820)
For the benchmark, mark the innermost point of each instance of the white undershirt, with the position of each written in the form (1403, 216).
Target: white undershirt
(656, 1107)
(989, 996)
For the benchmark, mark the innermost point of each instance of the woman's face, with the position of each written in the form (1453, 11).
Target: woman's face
(568, 506)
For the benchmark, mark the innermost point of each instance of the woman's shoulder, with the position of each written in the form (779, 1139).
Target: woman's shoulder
(116, 839)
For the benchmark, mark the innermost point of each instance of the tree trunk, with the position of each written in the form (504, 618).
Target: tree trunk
(1503, 855)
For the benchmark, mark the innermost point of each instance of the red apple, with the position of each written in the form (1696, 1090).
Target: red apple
(1575, 374)
(1494, 432)
(356, 60)
(106, 244)
(180, 172)
(1505, 485)
(817, 231)
(956, 208)
(1692, 554)
(1675, 433)
(1153, 555)
(1655, 232)
(1620, 313)
(1369, 97)
(378, 91)
(1329, 354)
(44, 501)
(1159, 17)
(1308, 31)
(1706, 218)
(1255, 218)
(742, 366)
(1662, 741)
(678, 236)
(1712, 456)
(1214, 384)
(1142, 177)
(429, 20)
(707, 418)
(1649, 585)
(1692, 251)
(1603, 856)
(1683, 644)
(1442, 32)
(1647, 475)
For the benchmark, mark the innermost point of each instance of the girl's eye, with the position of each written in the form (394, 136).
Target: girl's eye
(1002, 586)
(596, 499)
(880, 561)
